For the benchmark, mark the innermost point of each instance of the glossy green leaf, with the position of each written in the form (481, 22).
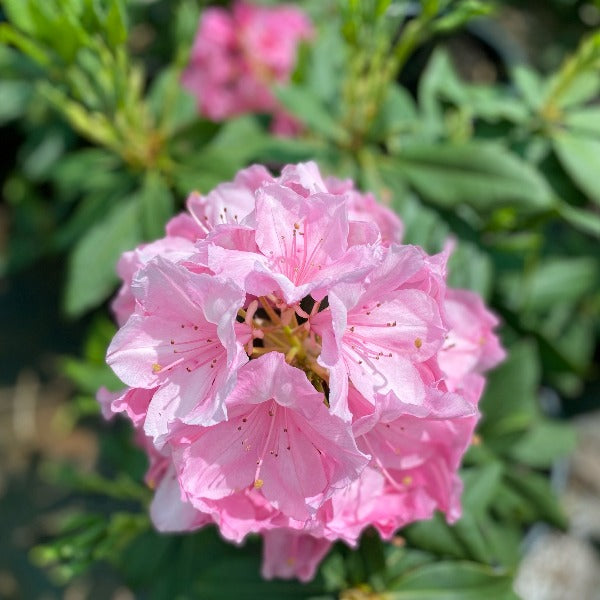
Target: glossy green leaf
(583, 121)
(90, 377)
(582, 88)
(172, 106)
(452, 581)
(503, 539)
(311, 112)
(560, 280)
(15, 99)
(543, 444)
(467, 530)
(510, 399)
(441, 82)
(580, 157)
(529, 84)
(396, 116)
(435, 536)
(156, 204)
(116, 23)
(483, 175)
(92, 275)
(19, 14)
(586, 221)
(481, 484)
(470, 268)
(327, 64)
(536, 489)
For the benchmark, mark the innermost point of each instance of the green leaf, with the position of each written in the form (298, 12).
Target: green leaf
(580, 157)
(333, 571)
(396, 115)
(584, 220)
(15, 99)
(467, 530)
(19, 14)
(34, 50)
(91, 275)
(157, 205)
(441, 83)
(512, 507)
(116, 24)
(400, 560)
(503, 539)
(510, 400)
(452, 581)
(173, 108)
(90, 377)
(483, 175)
(537, 490)
(435, 536)
(560, 280)
(529, 84)
(302, 103)
(481, 484)
(543, 444)
(327, 64)
(584, 121)
(186, 20)
(470, 268)
(582, 88)
(281, 150)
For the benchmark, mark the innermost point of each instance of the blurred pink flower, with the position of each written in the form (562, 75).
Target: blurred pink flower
(239, 55)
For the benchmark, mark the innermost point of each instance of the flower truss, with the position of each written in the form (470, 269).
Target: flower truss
(293, 370)
(239, 54)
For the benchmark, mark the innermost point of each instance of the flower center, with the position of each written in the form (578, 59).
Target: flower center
(278, 327)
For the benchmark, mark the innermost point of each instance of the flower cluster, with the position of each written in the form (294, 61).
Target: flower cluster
(239, 54)
(293, 370)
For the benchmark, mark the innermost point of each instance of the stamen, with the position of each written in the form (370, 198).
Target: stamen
(269, 310)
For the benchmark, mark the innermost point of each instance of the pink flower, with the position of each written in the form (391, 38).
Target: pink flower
(471, 345)
(237, 56)
(364, 207)
(288, 554)
(170, 511)
(377, 332)
(181, 340)
(171, 247)
(229, 203)
(279, 438)
(294, 371)
(418, 449)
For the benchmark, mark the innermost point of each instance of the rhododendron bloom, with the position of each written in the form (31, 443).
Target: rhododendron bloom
(293, 370)
(239, 55)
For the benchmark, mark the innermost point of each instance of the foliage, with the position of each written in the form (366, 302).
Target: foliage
(507, 169)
